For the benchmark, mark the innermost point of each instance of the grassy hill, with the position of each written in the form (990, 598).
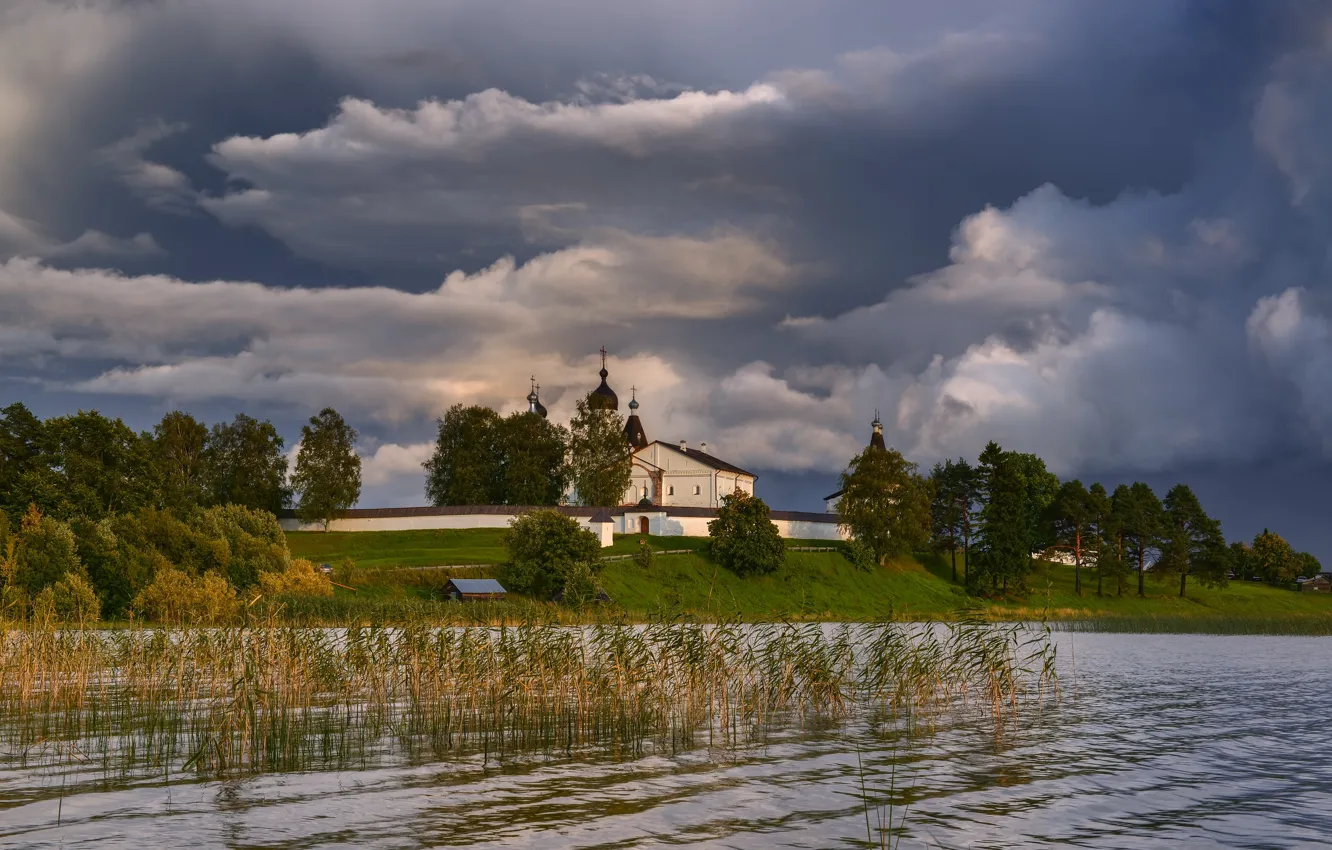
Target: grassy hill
(818, 585)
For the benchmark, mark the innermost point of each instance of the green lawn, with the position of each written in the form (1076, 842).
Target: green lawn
(818, 585)
(423, 548)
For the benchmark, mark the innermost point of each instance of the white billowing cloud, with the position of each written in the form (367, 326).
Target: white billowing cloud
(390, 461)
(386, 352)
(1295, 339)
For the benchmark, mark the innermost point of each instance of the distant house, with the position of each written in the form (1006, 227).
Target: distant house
(470, 589)
(1318, 584)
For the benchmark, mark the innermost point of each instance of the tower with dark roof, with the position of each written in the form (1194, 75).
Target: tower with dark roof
(876, 439)
(633, 427)
(603, 397)
(534, 404)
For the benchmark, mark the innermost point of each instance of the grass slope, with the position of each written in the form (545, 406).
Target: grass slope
(823, 585)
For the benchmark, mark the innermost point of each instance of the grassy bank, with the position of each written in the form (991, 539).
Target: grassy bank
(812, 586)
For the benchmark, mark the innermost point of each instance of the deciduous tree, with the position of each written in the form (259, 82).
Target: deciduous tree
(179, 448)
(547, 551)
(466, 466)
(1273, 559)
(885, 502)
(600, 462)
(533, 460)
(245, 465)
(328, 469)
(743, 539)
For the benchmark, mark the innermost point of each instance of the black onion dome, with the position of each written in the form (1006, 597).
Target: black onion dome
(603, 397)
(540, 409)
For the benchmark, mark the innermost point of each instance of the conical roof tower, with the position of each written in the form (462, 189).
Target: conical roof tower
(633, 427)
(876, 439)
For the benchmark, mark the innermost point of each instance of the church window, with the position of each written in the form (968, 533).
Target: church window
(670, 491)
(697, 489)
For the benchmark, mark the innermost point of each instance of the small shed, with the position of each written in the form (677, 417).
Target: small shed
(468, 589)
(1317, 584)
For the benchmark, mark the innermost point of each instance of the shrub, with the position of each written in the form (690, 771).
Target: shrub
(861, 554)
(177, 597)
(254, 540)
(644, 556)
(545, 549)
(301, 579)
(46, 552)
(71, 599)
(744, 540)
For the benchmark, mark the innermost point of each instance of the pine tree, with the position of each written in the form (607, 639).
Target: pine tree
(1139, 516)
(1191, 541)
(1070, 517)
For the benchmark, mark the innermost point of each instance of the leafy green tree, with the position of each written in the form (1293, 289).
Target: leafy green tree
(466, 466)
(1241, 559)
(1071, 515)
(954, 494)
(533, 466)
(252, 541)
(1309, 566)
(26, 476)
(886, 503)
(103, 466)
(1191, 541)
(1140, 517)
(548, 552)
(1273, 559)
(743, 538)
(46, 551)
(328, 469)
(1005, 538)
(600, 460)
(179, 449)
(245, 465)
(1104, 537)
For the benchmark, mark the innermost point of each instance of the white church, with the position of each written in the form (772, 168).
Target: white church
(674, 490)
(664, 474)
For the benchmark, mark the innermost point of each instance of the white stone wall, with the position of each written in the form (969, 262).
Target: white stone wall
(660, 523)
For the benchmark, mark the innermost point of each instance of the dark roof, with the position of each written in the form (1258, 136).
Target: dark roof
(602, 515)
(876, 440)
(707, 459)
(834, 495)
(603, 397)
(685, 511)
(477, 585)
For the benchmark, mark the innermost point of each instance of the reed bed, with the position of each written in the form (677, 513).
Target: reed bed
(1311, 624)
(282, 697)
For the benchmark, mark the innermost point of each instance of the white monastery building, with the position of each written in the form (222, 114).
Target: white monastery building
(674, 490)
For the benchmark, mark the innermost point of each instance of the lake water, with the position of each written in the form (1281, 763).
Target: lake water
(1158, 741)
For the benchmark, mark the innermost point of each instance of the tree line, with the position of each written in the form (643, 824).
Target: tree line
(1002, 513)
(482, 458)
(91, 466)
(95, 517)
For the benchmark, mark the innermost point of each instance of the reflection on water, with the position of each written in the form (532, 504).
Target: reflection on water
(1159, 741)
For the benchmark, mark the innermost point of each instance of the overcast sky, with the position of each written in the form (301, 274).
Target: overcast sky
(1097, 231)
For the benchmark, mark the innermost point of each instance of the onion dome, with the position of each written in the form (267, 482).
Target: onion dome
(603, 397)
(876, 439)
(633, 427)
(534, 404)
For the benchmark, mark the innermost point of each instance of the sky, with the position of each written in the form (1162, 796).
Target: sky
(1097, 231)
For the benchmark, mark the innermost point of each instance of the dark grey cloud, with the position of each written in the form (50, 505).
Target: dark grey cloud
(1093, 231)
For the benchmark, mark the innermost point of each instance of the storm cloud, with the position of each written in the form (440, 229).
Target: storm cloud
(1097, 233)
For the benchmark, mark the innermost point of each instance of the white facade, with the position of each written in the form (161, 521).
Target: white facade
(670, 476)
